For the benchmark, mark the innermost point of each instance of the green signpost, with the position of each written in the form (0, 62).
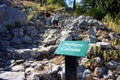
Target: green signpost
(71, 50)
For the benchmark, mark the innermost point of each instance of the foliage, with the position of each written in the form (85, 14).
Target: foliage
(107, 55)
(79, 10)
(113, 23)
(30, 16)
(58, 2)
(99, 8)
(62, 3)
(97, 13)
(51, 1)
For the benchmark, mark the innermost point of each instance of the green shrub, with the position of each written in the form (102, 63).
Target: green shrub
(114, 24)
(78, 11)
(97, 13)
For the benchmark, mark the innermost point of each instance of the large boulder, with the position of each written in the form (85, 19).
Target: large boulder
(2, 28)
(112, 64)
(11, 16)
(12, 76)
(7, 2)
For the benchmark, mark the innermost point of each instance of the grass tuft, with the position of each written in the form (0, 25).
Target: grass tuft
(114, 24)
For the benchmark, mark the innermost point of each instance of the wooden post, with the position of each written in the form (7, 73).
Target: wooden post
(70, 68)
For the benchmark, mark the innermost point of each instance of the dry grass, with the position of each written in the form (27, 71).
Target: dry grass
(37, 8)
(113, 24)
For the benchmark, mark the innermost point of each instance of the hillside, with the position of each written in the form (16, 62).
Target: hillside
(27, 47)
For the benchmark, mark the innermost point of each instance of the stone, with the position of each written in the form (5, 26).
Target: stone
(29, 71)
(2, 28)
(90, 21)
(12, 75)
(111, 75)
(26, 39)
(20, 61)
(65, 34)
(82, 23)
(1, 64)
(5, 43)
(34, 64)
(91, 32)
(48, 70)
(3, 1)
(104, 45)
(21, 54)
(112, 35)
(98, 62)
(57, 60)
(105, 40)
(81, 69)
(3, 56)
(10, 62)
(39, 67)
(105, 77)
(69, 38)
(96, 29)
(27, 64)
(47, 77)
(44, 50)
(118, 78)
(18, 32)
(7, 36)
(90, 49)
(118, 69)
(92, 39)
(106, 36)
(98, 72)
(34, 76)
(62, 72)
(84, 60)
(87, 74)
(104, 70)
(118, 49)
(95, 23)
(16, 40)
(55, 68)
(112, 64)
(51, 42)
(12, 16)
(18, 68)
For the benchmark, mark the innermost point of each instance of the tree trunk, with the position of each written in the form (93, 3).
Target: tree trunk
(74, 6)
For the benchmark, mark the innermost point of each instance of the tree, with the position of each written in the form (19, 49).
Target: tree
(99, 8)
(74, 6)
(72, 3)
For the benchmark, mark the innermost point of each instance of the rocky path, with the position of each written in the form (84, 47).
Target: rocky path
(27, 50)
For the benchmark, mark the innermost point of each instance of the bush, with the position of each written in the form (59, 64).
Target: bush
(97, 13)
(78, 11)
(114, 24)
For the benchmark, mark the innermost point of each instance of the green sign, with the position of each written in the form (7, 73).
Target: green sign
(72, 48)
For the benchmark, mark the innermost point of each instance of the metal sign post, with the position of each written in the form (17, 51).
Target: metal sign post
(70, 68)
